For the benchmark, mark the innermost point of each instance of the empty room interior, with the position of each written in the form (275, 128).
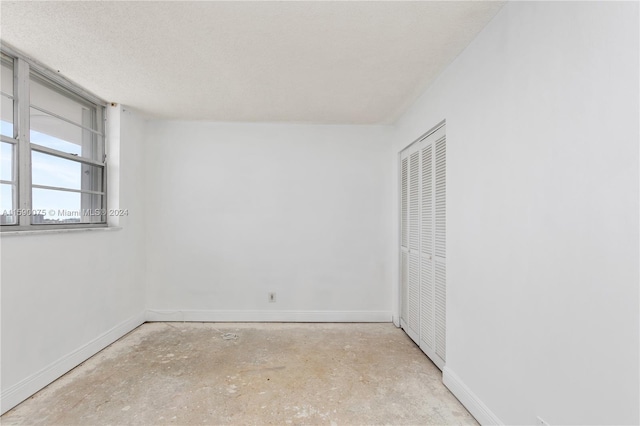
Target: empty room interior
(357, 212)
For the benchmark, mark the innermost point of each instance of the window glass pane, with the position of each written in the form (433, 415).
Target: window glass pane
(59, 206)
(6, 205)
(54, 171)
(6, 116)
(57, 134)
(6, 161)
(6, 75)
(66, 207)
(58, 101)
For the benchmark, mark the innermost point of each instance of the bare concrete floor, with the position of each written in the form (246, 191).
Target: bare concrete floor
(222, 373)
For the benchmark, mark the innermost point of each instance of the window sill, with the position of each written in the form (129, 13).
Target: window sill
(58, 231)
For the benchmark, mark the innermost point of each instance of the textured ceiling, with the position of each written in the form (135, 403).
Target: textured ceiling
(313, 62)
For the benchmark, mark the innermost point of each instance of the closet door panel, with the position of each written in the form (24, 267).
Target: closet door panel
(426, 309)
(440, 309)
(414, 247)
(426, 250)
(404, 239)
(440, 246)
(441, 198)
(404, 203)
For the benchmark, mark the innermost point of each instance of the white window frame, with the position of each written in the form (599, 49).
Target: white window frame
(23, 67)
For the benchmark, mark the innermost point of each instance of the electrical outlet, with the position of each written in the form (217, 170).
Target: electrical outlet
(541, 422)
(272, 297)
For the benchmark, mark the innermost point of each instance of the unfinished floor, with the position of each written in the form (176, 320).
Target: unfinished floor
(250, 373)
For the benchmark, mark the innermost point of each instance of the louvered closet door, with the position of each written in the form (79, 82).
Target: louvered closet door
(411, 252)
(440, 246)
(423, 246)
(427, 291)
(404, 239)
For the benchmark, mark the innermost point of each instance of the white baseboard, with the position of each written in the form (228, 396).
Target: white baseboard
(22, 390)
(470, 400)
(268, 316)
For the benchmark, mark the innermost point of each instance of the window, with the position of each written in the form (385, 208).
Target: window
(52, 150)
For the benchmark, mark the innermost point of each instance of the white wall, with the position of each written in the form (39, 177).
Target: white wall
(67, 295)
(542, 223)
(239, 210)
